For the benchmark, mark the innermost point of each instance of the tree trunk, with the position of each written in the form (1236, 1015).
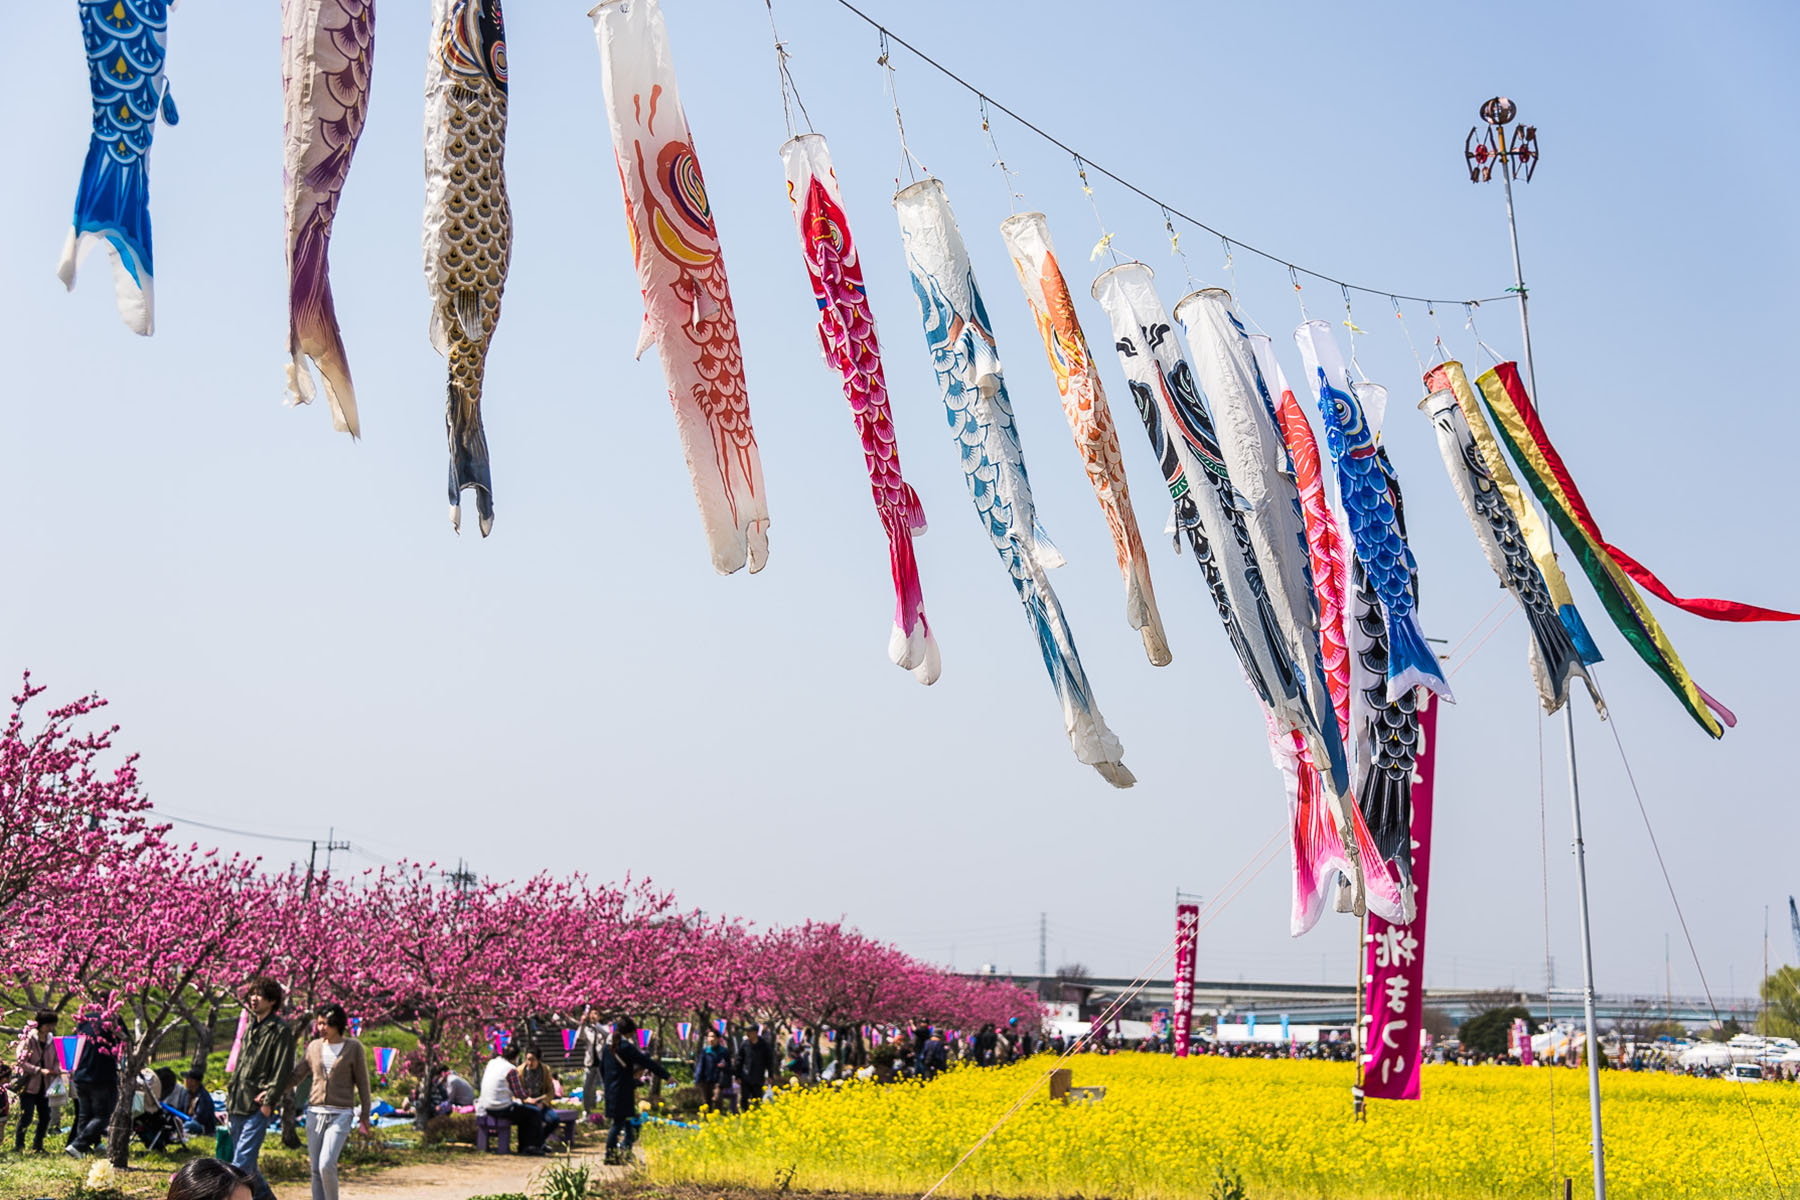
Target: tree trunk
(203, 1039)
(290, 1099)
(131, 1062)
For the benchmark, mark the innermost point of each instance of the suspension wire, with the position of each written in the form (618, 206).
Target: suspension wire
(1407, 334)
(1175, 249)
(1478, 624)
(1007, 174)
(1354, 328)
(907, 157)
(1437, 342)
(1126, 183)
(1498, 626)
(1687, 935)
(1469, 307)
(1267, 853)
(790, 91)
(1104, 245)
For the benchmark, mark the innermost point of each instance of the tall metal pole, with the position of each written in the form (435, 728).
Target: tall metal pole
(1581, 888)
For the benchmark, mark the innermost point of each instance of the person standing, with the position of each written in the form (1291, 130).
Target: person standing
(619, 1071)
(265, 1060)
(590, 1040)
(712, 1069)
(756, 1063)
(96, 1079)
(340, 1079)
(35, 1068)
(934, 1056)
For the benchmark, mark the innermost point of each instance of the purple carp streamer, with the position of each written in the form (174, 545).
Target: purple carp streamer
(848, 342)
(468, 223)
(1027, 238)
(1555, 661)
(980, 414)
(327, 52)
(127, 48)
(688, 314)
(1266, 495)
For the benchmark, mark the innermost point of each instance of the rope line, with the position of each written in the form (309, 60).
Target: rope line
(889, 35)
(1142, 980)
(1693, 951)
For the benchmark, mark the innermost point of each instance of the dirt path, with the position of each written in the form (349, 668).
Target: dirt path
(460, 1178)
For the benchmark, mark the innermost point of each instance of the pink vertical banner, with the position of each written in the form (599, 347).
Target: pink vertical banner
(1526, 1056)
(237, 1042)
(1187, 932)
(1394, 955)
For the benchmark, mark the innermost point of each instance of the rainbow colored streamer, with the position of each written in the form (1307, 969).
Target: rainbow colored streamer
(1517, 425)
(384, 1059)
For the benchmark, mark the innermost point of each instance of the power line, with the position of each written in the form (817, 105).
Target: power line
(1231, 243)
(354, 847)
(249, 833)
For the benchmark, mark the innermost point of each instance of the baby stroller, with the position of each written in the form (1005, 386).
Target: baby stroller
(156, 1125)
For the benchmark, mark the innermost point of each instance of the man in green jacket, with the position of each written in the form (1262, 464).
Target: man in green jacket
(265, 1060)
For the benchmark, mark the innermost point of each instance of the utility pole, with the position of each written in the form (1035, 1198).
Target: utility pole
(1044, 943)
(462, 879)
(312, 858)
(1519, 157)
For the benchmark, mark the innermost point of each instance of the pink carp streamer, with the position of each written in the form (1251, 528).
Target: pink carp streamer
(847, 340)
(687, 301)
(1317, 826)
(1027, 237)
(327, 53)
(1323, 542)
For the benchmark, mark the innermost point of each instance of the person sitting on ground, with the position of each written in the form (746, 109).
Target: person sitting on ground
(459, 1093)
(194, 1104)
(619, 1072)
(209, 1179)
(500, 1092)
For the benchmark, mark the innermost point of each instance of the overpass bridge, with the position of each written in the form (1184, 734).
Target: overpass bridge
(1332, 1003)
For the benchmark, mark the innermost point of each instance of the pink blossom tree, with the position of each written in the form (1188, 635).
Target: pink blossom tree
(64, 813)
(147, 939)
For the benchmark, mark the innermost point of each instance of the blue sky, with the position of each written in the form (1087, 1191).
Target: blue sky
(294, 639)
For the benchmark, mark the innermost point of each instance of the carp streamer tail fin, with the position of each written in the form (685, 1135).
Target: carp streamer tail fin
(313, 331)
(112, 209)
(468, 462)
(910, 645)
(1414, 664)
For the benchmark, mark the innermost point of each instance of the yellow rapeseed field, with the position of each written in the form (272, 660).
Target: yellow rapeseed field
(1165, 1126)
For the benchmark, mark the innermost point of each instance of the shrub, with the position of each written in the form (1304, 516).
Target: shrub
(452, 1127)
(683, 1101)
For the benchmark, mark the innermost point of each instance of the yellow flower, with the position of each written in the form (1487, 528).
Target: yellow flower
(1165, 1127)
